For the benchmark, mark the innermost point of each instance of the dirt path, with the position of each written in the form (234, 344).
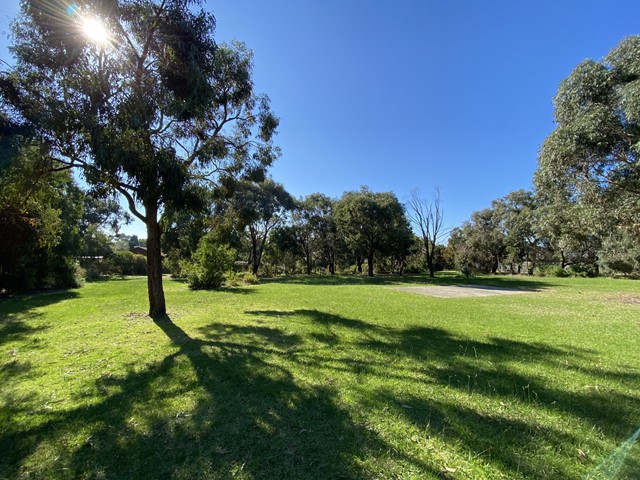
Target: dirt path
(458, 291)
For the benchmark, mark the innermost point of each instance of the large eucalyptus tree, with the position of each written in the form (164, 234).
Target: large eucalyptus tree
(137, 95)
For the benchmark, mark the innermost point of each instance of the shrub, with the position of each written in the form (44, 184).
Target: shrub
(124, 262)
(467, 271)
(208, 265)
(579, 270)
(620, 266)
(67, 273)
(248, 278)
(235, 279)
(551, 271)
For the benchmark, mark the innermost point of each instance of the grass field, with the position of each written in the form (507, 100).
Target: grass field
(323, 378)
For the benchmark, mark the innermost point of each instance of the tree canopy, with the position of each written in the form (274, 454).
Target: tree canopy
(593, 155)
(151, 109)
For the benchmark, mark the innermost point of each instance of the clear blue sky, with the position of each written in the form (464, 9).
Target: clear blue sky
(414, 94)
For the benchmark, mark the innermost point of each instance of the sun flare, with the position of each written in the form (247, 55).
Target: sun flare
(95, 31)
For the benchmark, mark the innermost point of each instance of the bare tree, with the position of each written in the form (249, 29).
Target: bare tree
(427, 217)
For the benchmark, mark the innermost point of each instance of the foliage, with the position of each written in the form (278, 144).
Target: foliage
(588, 168)
(39, 224)
(597, 110)
(235, 279)
(259, 207)
(373, 223)
(123, 262)
(208, 265)
(479, 243)
(466, 270)
(620, 252)
(552, 271)
(153, 113)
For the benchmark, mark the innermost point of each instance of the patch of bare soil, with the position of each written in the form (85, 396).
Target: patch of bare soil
(459, 291)
(628, 299)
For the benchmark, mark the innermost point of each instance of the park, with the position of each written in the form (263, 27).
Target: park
(292, 378)
(170, 309)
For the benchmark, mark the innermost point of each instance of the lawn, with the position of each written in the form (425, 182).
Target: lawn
(323, 378)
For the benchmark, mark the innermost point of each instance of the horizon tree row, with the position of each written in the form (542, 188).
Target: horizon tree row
(276, 234)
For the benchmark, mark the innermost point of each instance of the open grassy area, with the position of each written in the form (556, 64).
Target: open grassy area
(322, 378)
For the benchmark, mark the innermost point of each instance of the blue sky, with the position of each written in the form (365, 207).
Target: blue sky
(413, 94)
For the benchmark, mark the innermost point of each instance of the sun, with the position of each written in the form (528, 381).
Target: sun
(95, 31)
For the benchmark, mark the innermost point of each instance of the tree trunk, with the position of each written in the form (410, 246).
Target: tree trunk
(256, 251)
(308, 260)
(429, 253)
(157, 305)
(430, 266)
(255, 264)
(370, 264)
(359, 261)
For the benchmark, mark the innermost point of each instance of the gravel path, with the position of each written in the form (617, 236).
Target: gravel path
(458, 291)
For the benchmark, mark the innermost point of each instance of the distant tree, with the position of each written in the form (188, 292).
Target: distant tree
(620, 252)
(260, 206)
(313, 232)
(104, 213)
(319, 213)
(427, 216)
(150, 112)
(516, 214)
(479, 243)
(284, 249)
(369, 223)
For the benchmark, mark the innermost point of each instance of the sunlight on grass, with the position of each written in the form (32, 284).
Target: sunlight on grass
(324, 378)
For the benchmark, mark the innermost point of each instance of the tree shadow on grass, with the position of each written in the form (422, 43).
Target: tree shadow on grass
(19, 321)
(226, 404)
(488, 370)
(224, 409)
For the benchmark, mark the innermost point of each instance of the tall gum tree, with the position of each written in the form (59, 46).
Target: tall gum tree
(593, 156)
(137, 95)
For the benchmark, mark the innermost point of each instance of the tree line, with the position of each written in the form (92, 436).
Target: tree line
(264, 229)
(161, 115)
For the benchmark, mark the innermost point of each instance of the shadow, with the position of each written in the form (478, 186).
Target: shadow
(20, 320)
(225, 407)
(263, 399)
(315, 316)
(497, 439)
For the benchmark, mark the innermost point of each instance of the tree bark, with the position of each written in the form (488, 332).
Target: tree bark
(370, 264)
(157, 305)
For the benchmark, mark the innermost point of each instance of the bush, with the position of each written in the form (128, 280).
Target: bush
(208, 265)
(551, 271)
(234, 279)
(124, 262)
(620, 266)
(248, 278)
(66, 273)
(581, 270)
(467, 271)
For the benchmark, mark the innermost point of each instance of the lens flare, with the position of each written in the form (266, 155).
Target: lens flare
(95, 31)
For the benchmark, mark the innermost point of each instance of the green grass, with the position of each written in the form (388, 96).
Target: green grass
(322, 378)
